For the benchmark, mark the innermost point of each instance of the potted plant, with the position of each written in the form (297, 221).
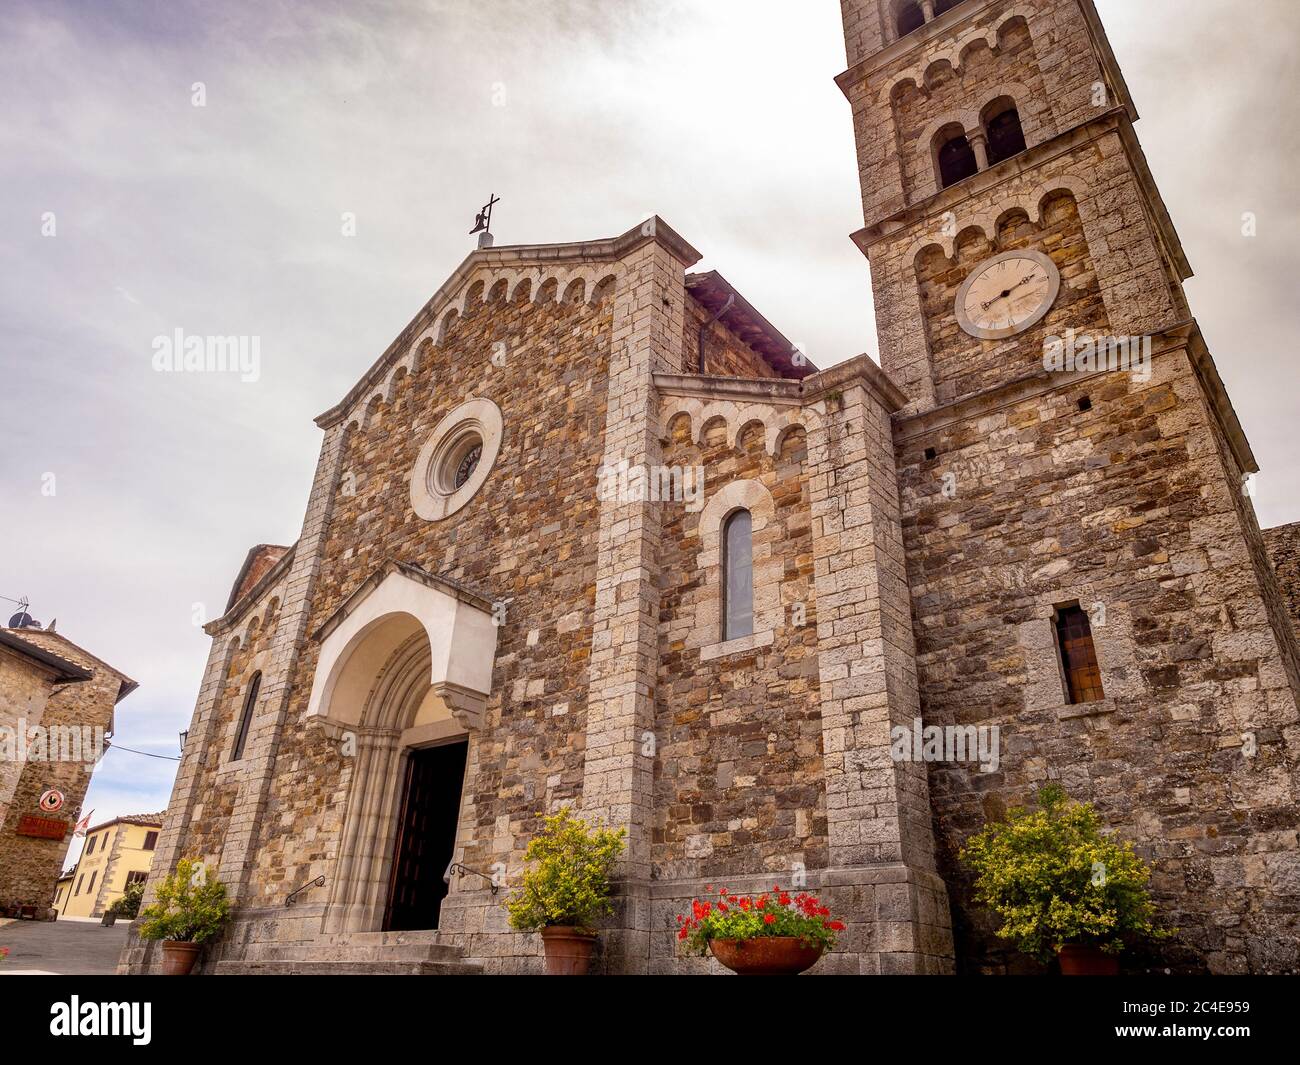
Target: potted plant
(128, 906)
(772, 934)
(565, 889)
(189, 910)
(1061, 887)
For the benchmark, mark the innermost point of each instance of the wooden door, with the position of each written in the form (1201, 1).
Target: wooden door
(426, 836)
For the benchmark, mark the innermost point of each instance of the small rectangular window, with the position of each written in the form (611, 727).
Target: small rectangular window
(150, 840)
(136, 877)
(91, 886)
(79, 880)
(1078, 655)
(90, 844)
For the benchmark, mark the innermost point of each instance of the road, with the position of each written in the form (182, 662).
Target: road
(74, 948)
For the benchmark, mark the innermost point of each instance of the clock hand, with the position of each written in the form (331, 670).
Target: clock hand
(1007, 292)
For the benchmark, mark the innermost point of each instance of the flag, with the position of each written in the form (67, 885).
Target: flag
(79, 829)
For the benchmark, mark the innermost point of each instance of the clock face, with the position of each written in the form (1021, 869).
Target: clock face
(1007, 294)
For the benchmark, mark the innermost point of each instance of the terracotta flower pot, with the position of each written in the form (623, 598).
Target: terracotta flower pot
(178, 957)
(1083, 959)
(766, 955)
(568, 950)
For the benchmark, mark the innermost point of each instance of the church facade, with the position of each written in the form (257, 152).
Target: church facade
(592, 532)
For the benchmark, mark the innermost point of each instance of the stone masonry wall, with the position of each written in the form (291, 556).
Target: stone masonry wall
(739, 779)
(726, 355)
(963, 364)
(29, 867)
(526, 540)
(24, 688)
(1038, 51)
(1112, 239)
(1283, 544)
(1127, 509)
(947, 96)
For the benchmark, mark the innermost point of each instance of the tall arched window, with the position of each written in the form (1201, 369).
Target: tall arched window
(246, 717)
(738, 576)
(910, 17)
(1005, 135)
(956, 160)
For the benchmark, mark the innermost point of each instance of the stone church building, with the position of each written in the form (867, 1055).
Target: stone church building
(592, 531)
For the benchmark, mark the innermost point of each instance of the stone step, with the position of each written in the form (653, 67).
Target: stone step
(287, 967)
(349, 952)
(388, 939)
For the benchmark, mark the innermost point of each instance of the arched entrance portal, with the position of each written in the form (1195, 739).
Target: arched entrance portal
(401, 680)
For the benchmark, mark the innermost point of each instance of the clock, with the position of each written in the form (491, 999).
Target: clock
(1007, 294)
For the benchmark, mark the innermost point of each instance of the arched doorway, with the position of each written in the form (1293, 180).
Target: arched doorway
(382, 688)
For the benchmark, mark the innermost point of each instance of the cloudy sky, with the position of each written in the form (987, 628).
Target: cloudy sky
(129, 497)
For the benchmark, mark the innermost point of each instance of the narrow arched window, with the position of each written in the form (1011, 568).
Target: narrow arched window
(1005, 135)
(910, 17)
(738, 576)
(246, 717)
(956, 161)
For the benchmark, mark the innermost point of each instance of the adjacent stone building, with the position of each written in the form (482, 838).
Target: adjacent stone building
(593, 532)
(57, 703)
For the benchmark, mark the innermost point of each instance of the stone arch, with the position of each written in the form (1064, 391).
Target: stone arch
(912, 257)
(548, 291)
(736, 418)
(473, 296)
(955, 56)
(1008, 20)
(1066, 183)
(394, 380)
(710, 417)
(804, 419)
(523, 290)
(405, 662)
(421, 349)
(497, 294)
(372, 414)
(602, 288)
(970, 234)
(784, 434)
(741, 418)
(967, 121)
(448, 320)
(673, 420)
(935, 69)
(744, 425)
(897, 11)
(399, 689)
(575, 292)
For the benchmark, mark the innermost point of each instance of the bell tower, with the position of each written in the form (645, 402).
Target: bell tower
(991, 127)
(1009, 214)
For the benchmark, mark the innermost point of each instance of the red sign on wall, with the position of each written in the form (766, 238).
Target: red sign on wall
(41, 827)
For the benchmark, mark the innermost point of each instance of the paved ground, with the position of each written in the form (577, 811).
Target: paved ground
(66, 947)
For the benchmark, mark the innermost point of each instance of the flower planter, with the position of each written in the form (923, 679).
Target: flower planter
(1081, 959)
(568, 950)
(179, 957)
(766, 955)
